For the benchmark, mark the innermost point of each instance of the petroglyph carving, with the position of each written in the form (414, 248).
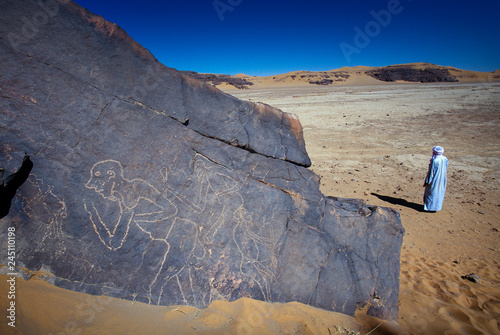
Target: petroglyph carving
(131, 203)
(45, 204)
(183, 234)
(136, 201)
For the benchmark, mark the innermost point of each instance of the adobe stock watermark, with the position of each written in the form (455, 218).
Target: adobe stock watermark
(11, 266)
(223, 6)
(31, 25)
(372, 29)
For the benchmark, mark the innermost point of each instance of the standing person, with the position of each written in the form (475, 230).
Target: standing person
(435, 182)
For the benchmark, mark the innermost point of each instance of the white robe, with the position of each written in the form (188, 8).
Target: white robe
(435, 183)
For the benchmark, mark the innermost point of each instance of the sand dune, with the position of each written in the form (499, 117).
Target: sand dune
(46, 309)
(434, 289)
(241, 75)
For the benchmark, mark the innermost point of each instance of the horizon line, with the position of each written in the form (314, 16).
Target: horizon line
(345, 66)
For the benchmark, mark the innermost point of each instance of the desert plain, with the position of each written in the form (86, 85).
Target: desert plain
(369, 141)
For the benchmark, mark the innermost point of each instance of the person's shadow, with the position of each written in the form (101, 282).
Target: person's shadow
(400, 202)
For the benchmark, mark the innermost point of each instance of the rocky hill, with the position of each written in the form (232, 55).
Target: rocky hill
(218, 79)
(412, 74)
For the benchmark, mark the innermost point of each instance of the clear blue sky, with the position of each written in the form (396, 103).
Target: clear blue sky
(265, 37)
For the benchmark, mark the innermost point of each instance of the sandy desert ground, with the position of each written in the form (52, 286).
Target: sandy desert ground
(370, 142)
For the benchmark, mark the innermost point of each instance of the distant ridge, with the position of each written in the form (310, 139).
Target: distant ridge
(236, 81)
(358, 75)
(241, 75)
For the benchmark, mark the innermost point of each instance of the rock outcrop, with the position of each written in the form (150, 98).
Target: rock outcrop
(218, 79)
(430, 74)
(152, 186)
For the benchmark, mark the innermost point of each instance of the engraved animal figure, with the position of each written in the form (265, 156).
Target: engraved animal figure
(136, 201)
(256, 244)
(182, 238)
(45, 207)
(249, 239)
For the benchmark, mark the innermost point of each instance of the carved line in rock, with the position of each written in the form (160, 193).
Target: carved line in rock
(46, 204)
(137, 203)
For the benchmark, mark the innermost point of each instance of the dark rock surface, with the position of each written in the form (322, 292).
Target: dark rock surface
(406, 73)
(152, 186)
(321, 82)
